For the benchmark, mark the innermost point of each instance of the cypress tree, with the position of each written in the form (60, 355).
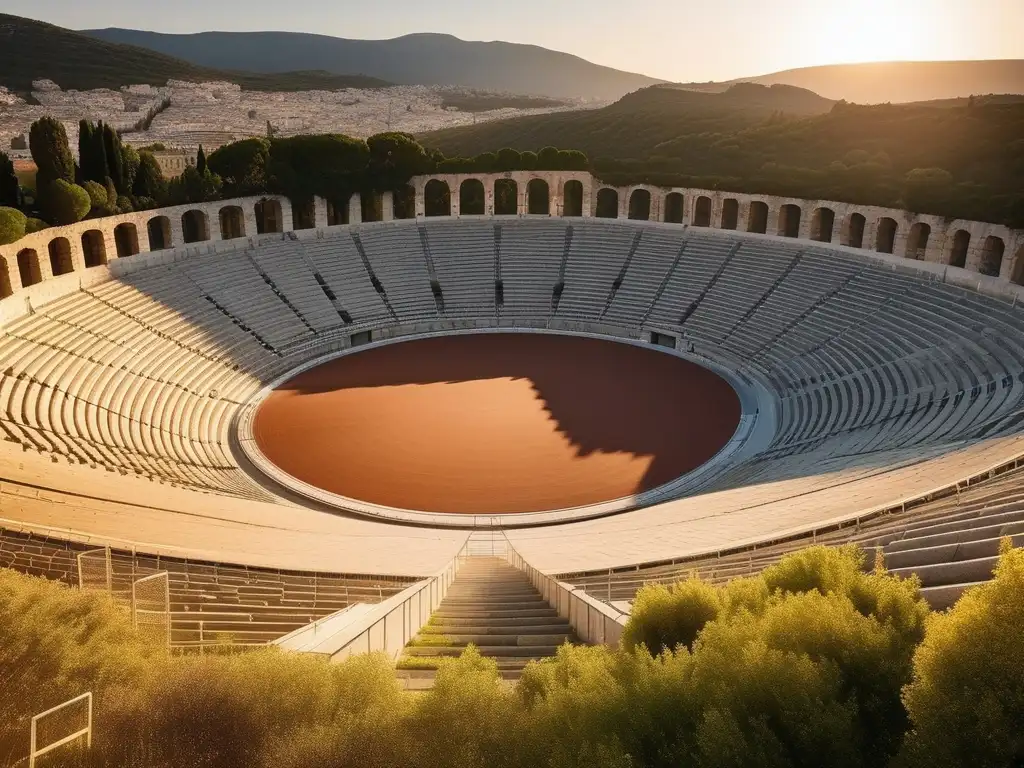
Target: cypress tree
(201, 161)
(97, 168)
(10, 188)
(48, 142)
(85, 149)
(115, 171)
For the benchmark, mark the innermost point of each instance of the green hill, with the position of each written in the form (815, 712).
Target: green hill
(32, 50)
(787, 141)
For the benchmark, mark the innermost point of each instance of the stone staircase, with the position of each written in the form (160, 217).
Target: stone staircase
(493, 606)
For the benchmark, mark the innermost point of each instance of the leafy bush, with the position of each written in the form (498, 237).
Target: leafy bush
(99, 199)
(664, 617)
(967, 697)
(35, 225)
(65, 203)
(12, 225)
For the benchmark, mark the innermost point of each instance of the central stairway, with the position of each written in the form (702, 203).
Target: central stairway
(493, 606)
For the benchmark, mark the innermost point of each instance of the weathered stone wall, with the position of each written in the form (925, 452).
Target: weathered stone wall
(988, 246)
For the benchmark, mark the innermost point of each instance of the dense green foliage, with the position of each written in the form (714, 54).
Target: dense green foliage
(967, 697)
(65, 203)
(802, 665)
(961, 161)
(48, 142)
(12, 225)
(10, 186)
(78, 61)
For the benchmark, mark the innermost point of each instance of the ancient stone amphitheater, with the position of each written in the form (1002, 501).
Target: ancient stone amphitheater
(878, 357)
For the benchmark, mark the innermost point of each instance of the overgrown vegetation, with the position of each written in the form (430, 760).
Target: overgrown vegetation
(814, 662)
(787, 141)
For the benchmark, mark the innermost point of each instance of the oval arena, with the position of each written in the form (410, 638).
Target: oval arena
(843, 367)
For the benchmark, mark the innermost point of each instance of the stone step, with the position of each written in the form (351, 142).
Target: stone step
(444, 613)
(478, 604)
(490, 629)
(496, 621)
(508, 651)
(492, 639)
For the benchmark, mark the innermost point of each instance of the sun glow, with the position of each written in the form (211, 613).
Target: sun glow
(870, 30)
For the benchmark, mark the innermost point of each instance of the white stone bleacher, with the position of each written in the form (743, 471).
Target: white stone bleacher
(210, 603)
(395, 254)
(463, 253)
(597, 255)
(648, 269)
(701, 259)
(237, 287)
(950, 544)
(337, 261)
(152, 388)
(531, 257)
(284, 264)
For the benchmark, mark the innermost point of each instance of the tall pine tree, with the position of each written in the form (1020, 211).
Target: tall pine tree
(97, 156)
(48, 142)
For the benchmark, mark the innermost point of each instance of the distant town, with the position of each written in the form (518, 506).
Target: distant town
(175, 119)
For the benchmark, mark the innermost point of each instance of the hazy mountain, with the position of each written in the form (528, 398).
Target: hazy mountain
(897, 82)
(33, 50)
(424, 59)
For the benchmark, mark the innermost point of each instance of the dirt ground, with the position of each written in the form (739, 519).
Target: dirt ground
(497, 423)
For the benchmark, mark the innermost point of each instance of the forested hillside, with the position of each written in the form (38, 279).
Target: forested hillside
(961, 161)
(32, 50)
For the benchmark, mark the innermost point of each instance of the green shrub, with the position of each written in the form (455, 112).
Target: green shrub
(35, 225)
(12, 225)
(668, 616)
(99, 199)
(967, 697)
(65, 203)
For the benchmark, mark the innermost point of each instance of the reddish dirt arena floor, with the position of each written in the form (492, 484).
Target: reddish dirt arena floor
(497, 423)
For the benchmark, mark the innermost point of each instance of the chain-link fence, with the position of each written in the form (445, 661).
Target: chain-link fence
(66, 724)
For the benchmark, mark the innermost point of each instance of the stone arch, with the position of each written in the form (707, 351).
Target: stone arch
(1018, 268)
(304, 214)
(917, 241)
(337, 213)
(823, 223)
(757, 219)
(674, 208)
(607, 203)
(232, 222)
(961, 247)
(730, 213)
(853, 231)
(159, 229)
(60, 257)
(268, 216)
(28, 267)
(371, 206)
(702, 211)
(506, 197)
(126, 239)
(5, 279)
(195, 226)
(403, 202)
(437, 198)
(472, 198)
(572, 198)
(640, 205)
(885, 235)
(789, 220)
(991, 262)
(538, 197)
(94, 248)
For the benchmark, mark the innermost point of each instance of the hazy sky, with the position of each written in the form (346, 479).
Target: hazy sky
(672, 39)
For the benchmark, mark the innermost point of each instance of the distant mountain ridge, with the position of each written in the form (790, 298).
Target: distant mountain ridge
(34, 50)
(418, 59)
(898, 81)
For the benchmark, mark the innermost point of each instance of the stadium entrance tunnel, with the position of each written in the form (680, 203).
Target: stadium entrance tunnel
(490, 426)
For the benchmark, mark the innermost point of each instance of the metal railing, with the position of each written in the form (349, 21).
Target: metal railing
(36, 752)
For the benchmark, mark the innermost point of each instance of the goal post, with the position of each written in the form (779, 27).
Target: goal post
(94, 570)
(151, 607)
